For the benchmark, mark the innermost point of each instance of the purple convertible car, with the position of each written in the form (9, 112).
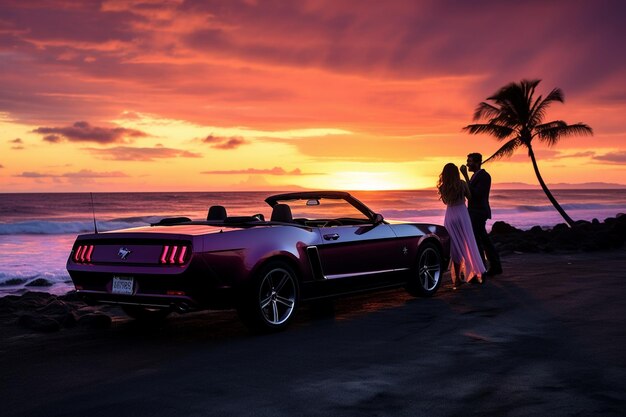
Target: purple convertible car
(316, 245)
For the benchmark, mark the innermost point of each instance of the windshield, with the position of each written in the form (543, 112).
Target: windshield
(323, 208)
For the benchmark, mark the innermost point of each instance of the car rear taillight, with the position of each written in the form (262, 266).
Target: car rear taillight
(174, 254)
(83, 254)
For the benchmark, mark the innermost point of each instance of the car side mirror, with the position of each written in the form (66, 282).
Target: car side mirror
(378, 218)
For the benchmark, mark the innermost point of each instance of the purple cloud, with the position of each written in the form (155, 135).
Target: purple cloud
(52, 138)
(84, 132)
(18, 144)
(127, 153)
(612, 157)
(84, 173)
(30, 174)
(231, 143)
(224, 143)
(212, 139)
(579, 155)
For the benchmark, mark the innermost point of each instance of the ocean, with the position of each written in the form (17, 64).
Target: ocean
(37, 230)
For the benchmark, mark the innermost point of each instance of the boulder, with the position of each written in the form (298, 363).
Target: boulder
(95, 321)
(39, 323)
(39, 282)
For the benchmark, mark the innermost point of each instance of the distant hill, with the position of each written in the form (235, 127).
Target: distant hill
(558, 186)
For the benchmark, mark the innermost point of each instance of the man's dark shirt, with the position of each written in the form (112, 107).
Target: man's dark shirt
(479, 185)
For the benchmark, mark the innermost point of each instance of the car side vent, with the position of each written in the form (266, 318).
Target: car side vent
(174, 254)
(83, 254)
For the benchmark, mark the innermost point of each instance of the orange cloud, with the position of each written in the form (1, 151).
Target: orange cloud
(127, 153)
(254, 171)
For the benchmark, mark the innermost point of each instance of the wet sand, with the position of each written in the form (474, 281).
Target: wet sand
(545, 338)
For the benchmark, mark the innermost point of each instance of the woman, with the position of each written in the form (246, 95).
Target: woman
(463, 249)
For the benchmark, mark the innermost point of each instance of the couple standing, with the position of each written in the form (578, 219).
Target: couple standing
(466, 225)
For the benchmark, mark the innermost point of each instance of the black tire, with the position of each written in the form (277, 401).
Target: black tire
(146, 314)
(270, 301)
(427, 275)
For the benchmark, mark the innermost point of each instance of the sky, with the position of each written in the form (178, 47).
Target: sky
(204, 95)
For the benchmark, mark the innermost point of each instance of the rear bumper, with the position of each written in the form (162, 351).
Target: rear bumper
(223, 298)
(175, 303)
(181, 292)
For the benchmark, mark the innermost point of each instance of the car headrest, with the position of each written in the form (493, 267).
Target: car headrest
(216, 213)
(282, 213)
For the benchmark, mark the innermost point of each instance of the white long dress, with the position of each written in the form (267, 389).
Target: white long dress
(463, 248)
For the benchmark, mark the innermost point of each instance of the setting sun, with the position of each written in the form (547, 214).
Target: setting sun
(365, 181)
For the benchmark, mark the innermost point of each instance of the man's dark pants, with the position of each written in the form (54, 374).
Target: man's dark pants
(485, 246)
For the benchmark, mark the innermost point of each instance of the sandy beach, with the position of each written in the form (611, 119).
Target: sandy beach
(546, 337)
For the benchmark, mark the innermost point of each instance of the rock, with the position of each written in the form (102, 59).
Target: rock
(72, 296)
(12, 281)
(39, 282)
(58, 311)
(560, 227)
(95, 321)
(39, 323)
(41, 311)
(502, 228)
(536, 230)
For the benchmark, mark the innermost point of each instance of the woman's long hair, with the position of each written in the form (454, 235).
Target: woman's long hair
(449, 186)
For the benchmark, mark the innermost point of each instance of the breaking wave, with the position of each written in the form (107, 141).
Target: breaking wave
(55, 227)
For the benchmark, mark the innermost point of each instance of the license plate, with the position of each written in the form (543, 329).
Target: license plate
(122, 285)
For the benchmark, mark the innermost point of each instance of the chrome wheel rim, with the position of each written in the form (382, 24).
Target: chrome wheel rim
(277, 296)
(429, 271)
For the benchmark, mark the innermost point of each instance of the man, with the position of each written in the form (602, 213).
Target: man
(479, 210)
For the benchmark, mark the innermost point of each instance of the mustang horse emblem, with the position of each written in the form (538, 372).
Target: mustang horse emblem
(123, 253)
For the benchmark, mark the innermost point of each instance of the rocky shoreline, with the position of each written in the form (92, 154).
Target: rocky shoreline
(585, 236)
(46, 313)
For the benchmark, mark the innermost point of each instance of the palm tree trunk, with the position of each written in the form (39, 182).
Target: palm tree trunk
(556, 205)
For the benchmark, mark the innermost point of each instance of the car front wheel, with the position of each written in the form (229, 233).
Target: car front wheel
(270, 301)
(428, 272)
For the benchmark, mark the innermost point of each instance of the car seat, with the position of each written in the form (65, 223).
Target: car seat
(282, 213)
(216, 213)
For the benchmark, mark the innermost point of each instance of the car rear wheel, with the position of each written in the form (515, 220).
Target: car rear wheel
(427, 275)
(270, 302)
(146, 314)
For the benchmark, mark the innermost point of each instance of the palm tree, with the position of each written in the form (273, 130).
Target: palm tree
(516, 117)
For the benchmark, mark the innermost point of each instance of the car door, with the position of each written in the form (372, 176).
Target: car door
(360, 256)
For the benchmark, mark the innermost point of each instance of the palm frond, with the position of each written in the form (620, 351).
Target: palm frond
(552, 132)
(538, 111)
(505, 150)
(515, 101)
(485, 111)
(499, 131)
